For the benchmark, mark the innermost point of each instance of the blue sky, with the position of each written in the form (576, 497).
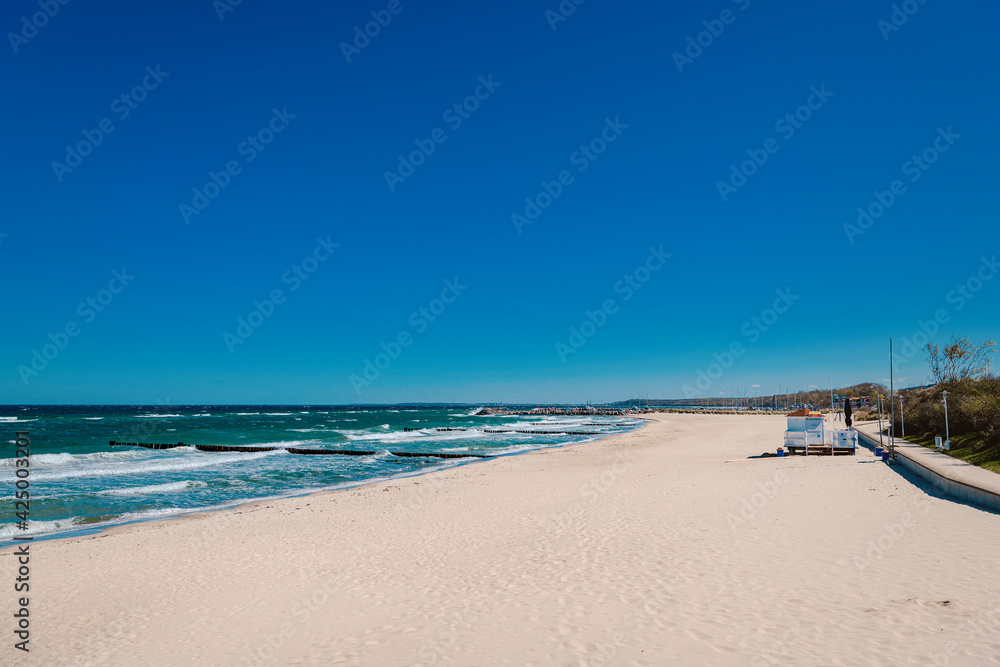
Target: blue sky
(516, 291)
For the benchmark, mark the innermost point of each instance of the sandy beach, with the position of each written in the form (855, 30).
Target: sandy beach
(646, 548)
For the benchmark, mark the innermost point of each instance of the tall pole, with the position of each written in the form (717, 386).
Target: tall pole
(892, 406)
(878, 402)
(947, 437)
(902, 419)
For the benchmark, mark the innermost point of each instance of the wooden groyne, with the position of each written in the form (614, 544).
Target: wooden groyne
(298, 450)
(228, 448)
(147, 445)
(561, 412)
(511, 430)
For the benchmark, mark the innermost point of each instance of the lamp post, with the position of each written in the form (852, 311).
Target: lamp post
(947, 437)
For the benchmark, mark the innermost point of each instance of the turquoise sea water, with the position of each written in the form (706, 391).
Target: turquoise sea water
(79, 482)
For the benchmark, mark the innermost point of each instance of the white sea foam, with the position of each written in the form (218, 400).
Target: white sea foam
(94, 419)
(64, 458)
(15, 420)
(283, 443)
(412, 436)
(10, 530)
(154, 488)
(155, 416)
(72, 524)
(377, 456)
(517, 449)
(43, 459)
(141, 468)
(472, 413)
(158, 464)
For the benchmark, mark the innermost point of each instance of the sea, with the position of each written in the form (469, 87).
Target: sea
(79, 483)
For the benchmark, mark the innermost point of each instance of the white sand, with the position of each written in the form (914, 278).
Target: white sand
(629, 551)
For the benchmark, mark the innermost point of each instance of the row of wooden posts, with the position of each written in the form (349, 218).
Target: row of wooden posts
(511, 430)
(297, 450)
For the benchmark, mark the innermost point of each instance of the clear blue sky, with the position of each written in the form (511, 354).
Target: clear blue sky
(324, 176)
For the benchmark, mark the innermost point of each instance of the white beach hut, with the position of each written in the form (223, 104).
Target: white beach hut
(807, 433)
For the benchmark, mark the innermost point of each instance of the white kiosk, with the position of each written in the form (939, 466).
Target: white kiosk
(807, 434)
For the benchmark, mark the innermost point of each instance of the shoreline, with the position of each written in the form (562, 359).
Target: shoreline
(642, 548)
(84, 531)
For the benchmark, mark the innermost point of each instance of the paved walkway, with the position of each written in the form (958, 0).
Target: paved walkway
(963, 480)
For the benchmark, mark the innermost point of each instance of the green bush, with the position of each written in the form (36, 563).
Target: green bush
(973, 409)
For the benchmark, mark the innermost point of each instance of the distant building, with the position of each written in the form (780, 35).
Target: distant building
(856, 401)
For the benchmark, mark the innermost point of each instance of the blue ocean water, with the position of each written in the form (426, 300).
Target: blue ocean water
(79, 482)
